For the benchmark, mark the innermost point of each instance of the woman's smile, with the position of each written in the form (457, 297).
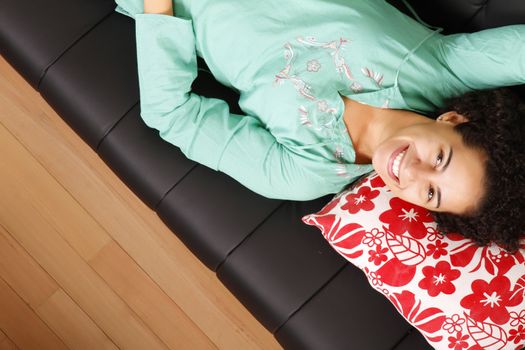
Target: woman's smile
(394, 164)
(417, 165)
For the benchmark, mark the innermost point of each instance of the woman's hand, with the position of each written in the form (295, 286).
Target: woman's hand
(163, 7)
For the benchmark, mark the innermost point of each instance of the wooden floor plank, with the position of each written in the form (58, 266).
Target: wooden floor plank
(21, 213)
(22, 326)
(73, 326)
(22, 273)
(7, 344)
(124, 218)
(152, 305)
(129, 222)
(80, 230)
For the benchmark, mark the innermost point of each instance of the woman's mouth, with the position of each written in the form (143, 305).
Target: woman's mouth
(395, 162)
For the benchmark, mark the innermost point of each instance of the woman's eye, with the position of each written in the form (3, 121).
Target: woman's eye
(439, 158)
(430, 193)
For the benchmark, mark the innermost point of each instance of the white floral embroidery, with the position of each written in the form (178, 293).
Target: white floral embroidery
(326, 115)
(303, 88)
(313, 66)
(335, 51)
(304, 116)
(338, 154)
(285, 72)
(356, 87)
(375, 76)
(322, 105)
(341, 170)
(300, 85)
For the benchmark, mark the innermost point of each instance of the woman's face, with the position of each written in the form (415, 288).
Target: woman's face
(428, 164)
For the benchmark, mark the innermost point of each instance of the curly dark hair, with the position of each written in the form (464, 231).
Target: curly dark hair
(496, 126)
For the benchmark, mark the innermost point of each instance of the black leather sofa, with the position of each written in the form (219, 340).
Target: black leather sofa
(80, 55)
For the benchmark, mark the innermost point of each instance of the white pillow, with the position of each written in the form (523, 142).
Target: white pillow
(458, 295)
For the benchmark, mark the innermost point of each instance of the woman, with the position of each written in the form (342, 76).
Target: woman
(330, 87)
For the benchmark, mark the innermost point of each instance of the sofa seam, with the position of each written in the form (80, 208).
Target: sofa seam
(156, 207)
(322, 287)
(108, 131)
(67, 47)
(233, 249)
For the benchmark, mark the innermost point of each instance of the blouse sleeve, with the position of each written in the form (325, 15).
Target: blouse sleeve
(203, 128)
(489, 58)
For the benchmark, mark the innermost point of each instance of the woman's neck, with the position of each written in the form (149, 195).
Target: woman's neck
(368, 126)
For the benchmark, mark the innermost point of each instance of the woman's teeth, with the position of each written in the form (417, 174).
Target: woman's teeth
(397, 161)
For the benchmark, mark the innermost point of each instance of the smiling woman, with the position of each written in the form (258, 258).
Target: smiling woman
(327, 98)
(428, 164)
(456, 165)
(413, 154)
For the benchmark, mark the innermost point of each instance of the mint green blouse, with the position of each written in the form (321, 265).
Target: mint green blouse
(291, 62)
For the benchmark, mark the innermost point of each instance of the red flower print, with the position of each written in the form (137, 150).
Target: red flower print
(517, 318)
(433, 234)
(374, 278)
(437, 250)
(406, 249)
(498, 261)
(439, 279)
(377, 181)
(475, 347)
(345, 239)
(405, 216)
(493, 258)
(517, 335)
(373, 237)
(378, 255)
(396, 274)
(428, 320)
(490, 300)
(458, 342)
(362, 200)
(519, 287)
(453, 324)
(485, 334)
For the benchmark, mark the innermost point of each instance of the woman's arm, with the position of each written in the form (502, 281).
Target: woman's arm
(489, 58)
(203, 128)
(162, 7)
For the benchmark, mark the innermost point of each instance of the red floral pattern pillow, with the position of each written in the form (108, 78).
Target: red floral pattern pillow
(457, 294)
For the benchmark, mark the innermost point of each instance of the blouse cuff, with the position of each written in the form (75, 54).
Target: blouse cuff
(167, 38)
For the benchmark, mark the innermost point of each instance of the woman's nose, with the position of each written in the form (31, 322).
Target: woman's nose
(417, 171)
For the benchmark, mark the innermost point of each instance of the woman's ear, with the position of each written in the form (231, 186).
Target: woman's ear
(452, 117)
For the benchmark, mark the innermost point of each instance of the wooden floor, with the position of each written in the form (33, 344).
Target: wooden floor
(84, 264)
